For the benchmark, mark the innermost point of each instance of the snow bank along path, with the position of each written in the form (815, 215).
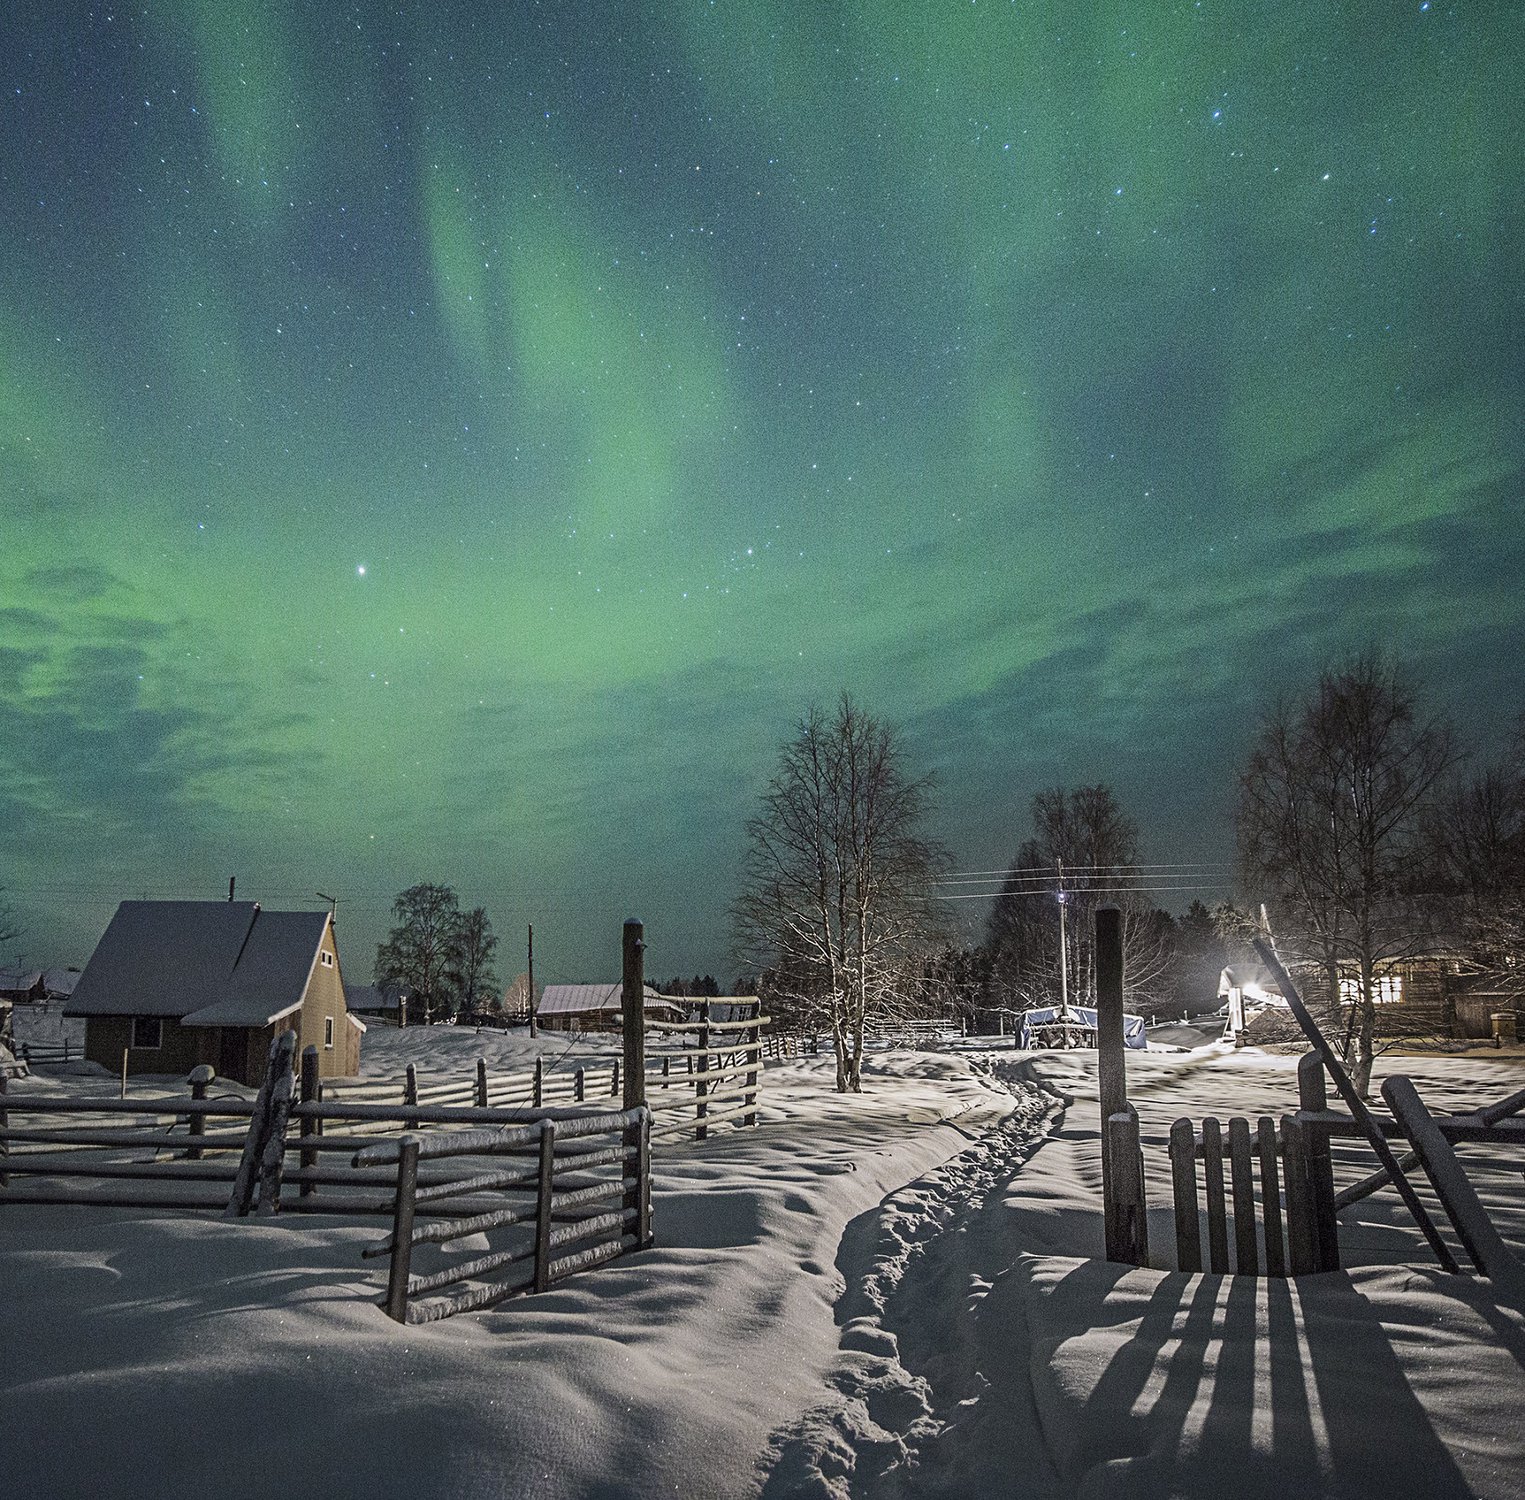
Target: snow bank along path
(146, 1354)
(986, 1358)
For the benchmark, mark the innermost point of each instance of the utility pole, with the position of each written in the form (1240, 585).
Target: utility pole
(534, 1029)
(1064, 952)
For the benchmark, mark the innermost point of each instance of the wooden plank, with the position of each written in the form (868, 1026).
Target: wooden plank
(595, 1255)
(1270, 1197)
(473, 1299)
(1374, 1183)
(1183, 1184)
(467, 1270)
(1217, 1213)
(1482, 1242)
(1357, 1106)
(1241, 1160)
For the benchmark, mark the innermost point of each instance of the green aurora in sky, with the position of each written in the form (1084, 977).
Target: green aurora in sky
(455, 441)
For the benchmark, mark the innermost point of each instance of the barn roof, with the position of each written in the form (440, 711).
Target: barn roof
(592, 999)
(207, 963)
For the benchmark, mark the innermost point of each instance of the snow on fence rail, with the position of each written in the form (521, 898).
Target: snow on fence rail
(68, 1147)
(563, 1173)
(700, 1074)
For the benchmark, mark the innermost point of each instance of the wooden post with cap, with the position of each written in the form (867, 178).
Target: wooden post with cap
(633, 1026)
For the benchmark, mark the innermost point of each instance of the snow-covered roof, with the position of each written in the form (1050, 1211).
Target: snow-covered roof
(373, 997)
(60, 982)
(209, 963)
(19, 981)
(590, 999)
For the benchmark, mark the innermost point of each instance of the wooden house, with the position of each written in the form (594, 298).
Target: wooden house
(172, 984)
(597, 1007)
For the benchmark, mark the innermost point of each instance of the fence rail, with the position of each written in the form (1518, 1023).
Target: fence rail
(161, 1153)
(702, 1074)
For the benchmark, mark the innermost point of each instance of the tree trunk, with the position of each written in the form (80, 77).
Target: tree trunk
(1360, 1072)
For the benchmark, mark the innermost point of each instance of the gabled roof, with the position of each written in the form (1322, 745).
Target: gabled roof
(367, 997)
(593, 999)
(207, 963)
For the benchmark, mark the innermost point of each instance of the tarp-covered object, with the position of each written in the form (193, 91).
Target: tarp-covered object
(1079, 1016)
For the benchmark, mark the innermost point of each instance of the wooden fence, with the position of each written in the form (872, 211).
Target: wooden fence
(556, 1180)
(293, 1151)
(50, 1054)
(700, 1075)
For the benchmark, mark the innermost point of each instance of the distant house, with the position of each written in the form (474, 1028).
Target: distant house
(58, 984)
(1246, 990)
(596, 1007)
(386, 1003)
(175, 983)
(23, 986)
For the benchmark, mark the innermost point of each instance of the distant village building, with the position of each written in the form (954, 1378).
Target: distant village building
(22, 986)
(176, 983)
(596, 1007)
(386, 1003)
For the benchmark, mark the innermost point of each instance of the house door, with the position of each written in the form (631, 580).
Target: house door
(232, 1053)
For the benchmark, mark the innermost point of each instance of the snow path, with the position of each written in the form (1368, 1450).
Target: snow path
(927, 1398)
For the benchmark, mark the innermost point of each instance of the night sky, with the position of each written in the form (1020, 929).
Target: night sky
(455, 441)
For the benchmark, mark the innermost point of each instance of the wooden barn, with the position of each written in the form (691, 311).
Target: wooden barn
(172, 984)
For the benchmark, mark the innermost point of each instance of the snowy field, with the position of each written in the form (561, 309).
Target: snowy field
(889, 1295)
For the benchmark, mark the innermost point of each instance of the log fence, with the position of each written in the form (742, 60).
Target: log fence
(568, 1195)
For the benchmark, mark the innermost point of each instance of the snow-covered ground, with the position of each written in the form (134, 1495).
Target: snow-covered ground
(885, 1295)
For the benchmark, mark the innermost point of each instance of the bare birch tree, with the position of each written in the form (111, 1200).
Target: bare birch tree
(837, 904)
(1330, 811)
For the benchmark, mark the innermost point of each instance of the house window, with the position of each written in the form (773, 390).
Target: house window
(327, 957)
(148, 1032)
(1386, 989)
(328, 1031)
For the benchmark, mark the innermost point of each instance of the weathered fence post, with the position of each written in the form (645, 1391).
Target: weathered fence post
(1312, 1095)
(1126, 1231)
(201, 1075)
(1302, 1249)
(579, 1086)
(539, 1094)
(702, 1088)
(309, 1128)
(1122, 1145)
(277, 1065)
(614, 1080)
(273, 1158)
(666, 1070)
(637, 1137)
(402, 1230)
(544, 1186)
(410, 1086)
(1183, 1181)
(481, 1083)
(754, 1059)
(5, 1145)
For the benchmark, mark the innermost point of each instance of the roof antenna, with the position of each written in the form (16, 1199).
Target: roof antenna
(333, 905)
(231, 880)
